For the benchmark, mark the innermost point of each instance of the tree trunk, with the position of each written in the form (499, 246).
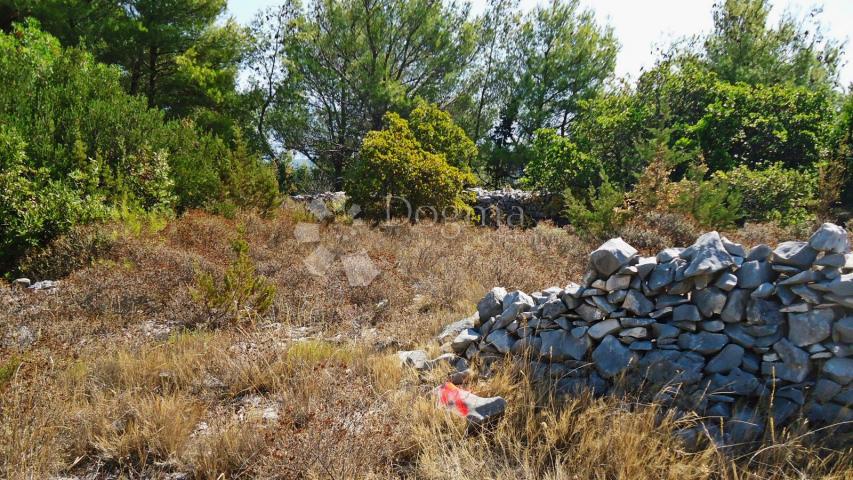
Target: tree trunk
(153, 55)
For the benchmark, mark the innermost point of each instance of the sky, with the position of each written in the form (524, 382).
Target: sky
(641, 25)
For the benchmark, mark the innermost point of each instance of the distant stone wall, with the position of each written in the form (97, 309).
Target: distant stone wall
(736, 335)
(495, 207)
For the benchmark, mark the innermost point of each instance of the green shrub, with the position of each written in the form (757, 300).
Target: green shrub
(242, 295)
(436, 132)
(393, 162)
(34, 207)
(556, 164)
(598, 215)
(775, 193)
(712, 203)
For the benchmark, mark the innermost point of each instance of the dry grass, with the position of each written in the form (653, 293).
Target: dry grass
(118, 381)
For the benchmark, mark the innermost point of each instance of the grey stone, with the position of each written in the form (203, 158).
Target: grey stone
(553, 308)
(726, 281)
(663, 301)
(729, 358)
(661, 276)
(796, 365)
(630, 322)
(745, 426)
(842, 286)
(617, 297)
(617, 282)
(466, 337)
(517, 296)
(668, 254)
(603, 304)
(686, 313)
(573, 290)
(418, 359)
(703, 342)
(451, 331)
(635, 332)
(807, 294)
(707, 255)
(22, 283)
(492, 304)
(830, 238)
(736, 382)
(796, 308)
(589, 313)
(527, 346)
(645, 265)
(842, 331)
(604, 328)
(512, 311)
(611, 256)
(661, 313)
(836, 260)
(794, 254)
(481, 409)
(810, 327)
(612, 358)
(710, 301)
(839, 370)
(786, 296)
(806, 276)
(733, 248)
(764, 312)
(712, 325)
(751, 363)
(663, 330)
(735, 306)
(753, 273)
(641, 346)
(637, 303)
(825, 389)
(501, 339)
(759, 252)
(739, 336)
(559, 345)
(579, 332)
(763, 291)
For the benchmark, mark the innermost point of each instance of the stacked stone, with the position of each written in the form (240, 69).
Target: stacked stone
(509, 203)
(734, 334)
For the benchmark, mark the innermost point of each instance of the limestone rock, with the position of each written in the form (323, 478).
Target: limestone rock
(611, 256)
(612, 358)
(830, 238)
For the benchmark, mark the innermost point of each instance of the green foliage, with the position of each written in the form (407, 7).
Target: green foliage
(556, 164)
(91, 148)
(241, 296)
(712, 203)
(33, 206)
(598, 215)
(175, 52)
(561, 57)
(774, 193)
(358, 60)
(744, 48)
(393, 162)
(437, 134)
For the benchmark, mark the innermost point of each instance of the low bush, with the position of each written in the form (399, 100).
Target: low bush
(556, 164)
(241, 295)
(600, 213)
(392, 161)
(775, 193)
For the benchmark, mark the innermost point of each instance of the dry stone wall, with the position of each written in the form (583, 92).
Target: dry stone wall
(736, 335)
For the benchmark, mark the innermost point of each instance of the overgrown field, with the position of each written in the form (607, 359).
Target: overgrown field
(127, 369)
